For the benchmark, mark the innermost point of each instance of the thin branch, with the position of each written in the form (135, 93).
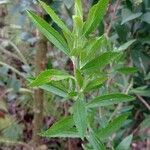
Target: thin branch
(113, 18)
(21, 90)
(13, 69)
(9, 53)
(22, 58)
(19, 53)
(143, 101)
(10, 142)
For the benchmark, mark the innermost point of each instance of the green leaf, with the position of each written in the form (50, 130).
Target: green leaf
(68, 39)
(112, 127)
(49, 32)
(92, 47)
(110, 99)
(80, 117)
(127, 15)
(95, 141)
(142, 91)
(95, 83)
(146, 17)
(145, 123)
(55, 17)
(55, 89)
(101, 61)
(78, 26)
(95, 16)
(126, 45)
(127, 70)
(78, 8)
(48, 76)
(79, 77)
(147, 77)
(62, 128)
(125, 143)
(68, 3)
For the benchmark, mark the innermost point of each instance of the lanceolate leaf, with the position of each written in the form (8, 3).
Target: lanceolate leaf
(79, 78)
(95, 83)
(54, 17)
(126, 45)
(112, 127)
(62, 128)
(78, 8)
(147, 77)
(95, 141)
(55, 89)
(49, 32)
(101, 61)
(95, 16)
(127, 15)
(92, 47)
(80, 117)
(125, 143)
(127, 70)
(50, 75)
(142, 91)
(110, 99)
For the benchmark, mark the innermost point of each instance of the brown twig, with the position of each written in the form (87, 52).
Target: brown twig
(113, 18)
(143, 101)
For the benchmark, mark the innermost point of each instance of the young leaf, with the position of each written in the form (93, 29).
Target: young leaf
(101, 61)
(127, 70)
(50, 75)
(78, 25)
(78, 8)
(80, 117)
(92, 47)
(62, 128)
(126, 45)
(49, 32)
(79, 77)
(55, 17)
(110, 99)
(112, 127)
(125, 143)
(95, 16)
(95, 141)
